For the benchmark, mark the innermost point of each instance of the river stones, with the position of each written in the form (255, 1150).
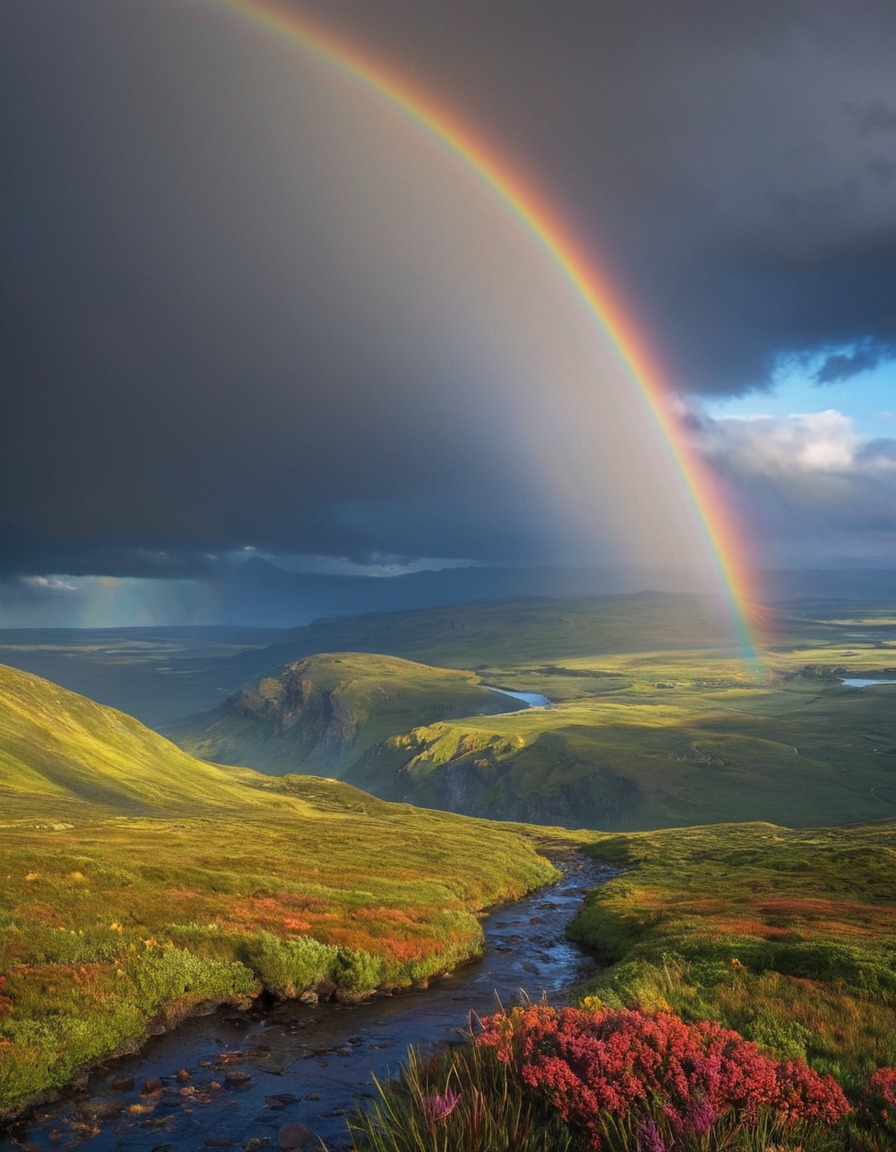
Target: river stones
(237, 1078)
(99, 1110)
(297, 1137)
(280, 1100)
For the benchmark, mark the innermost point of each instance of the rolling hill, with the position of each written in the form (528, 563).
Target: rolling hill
(64, 748)
(322, 713)
(656, 721)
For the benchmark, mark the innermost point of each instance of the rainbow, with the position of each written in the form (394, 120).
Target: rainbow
(721, 539)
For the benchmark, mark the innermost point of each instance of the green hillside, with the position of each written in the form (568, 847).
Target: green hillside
(56, 744)
(137, 882)
(321, 714)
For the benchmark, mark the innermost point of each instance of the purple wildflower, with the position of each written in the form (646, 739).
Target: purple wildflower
(649, 1138)
(701, 1117)
(436, 1108)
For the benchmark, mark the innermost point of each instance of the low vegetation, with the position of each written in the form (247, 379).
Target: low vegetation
(788, 936)
(595, 1079)
(749, 1004)
(137, 882)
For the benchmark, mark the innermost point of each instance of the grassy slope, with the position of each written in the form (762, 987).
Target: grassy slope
(651, 729)
(57, 744)
(788, 936)
(322, 713)
(133, 877)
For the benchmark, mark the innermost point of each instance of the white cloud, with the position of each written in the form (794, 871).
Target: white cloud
(50, 583)
(808, 487)
(776, 446)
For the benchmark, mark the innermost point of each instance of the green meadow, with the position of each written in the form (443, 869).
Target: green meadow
(787, 936)
(137, 883)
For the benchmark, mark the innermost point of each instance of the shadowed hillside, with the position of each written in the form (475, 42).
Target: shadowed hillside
(638, 755)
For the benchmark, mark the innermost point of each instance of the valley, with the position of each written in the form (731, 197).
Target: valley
(138, 883)
(655, 719)
(325, 813)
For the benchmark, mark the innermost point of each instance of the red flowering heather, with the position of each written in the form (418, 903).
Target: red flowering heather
(881, 1095)
(883, 1084)
(804, 1095)
(631, 1063)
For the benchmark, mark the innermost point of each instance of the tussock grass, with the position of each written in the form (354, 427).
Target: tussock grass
(788, 936)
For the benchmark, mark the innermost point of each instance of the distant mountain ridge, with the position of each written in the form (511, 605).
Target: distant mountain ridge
(260, 594)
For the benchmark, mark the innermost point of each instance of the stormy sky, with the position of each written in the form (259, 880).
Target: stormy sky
(250, 307)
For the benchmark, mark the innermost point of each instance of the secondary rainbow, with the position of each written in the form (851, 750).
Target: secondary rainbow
(612, 318)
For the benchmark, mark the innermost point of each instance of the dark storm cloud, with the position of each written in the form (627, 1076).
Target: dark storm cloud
(206, 343)
(197, 352)
(844, 365)
(730, 161)
(871, 116)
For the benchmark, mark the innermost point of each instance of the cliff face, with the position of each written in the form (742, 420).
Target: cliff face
(319, 718)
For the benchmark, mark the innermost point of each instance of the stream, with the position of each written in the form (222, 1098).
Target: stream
(240, 1079)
